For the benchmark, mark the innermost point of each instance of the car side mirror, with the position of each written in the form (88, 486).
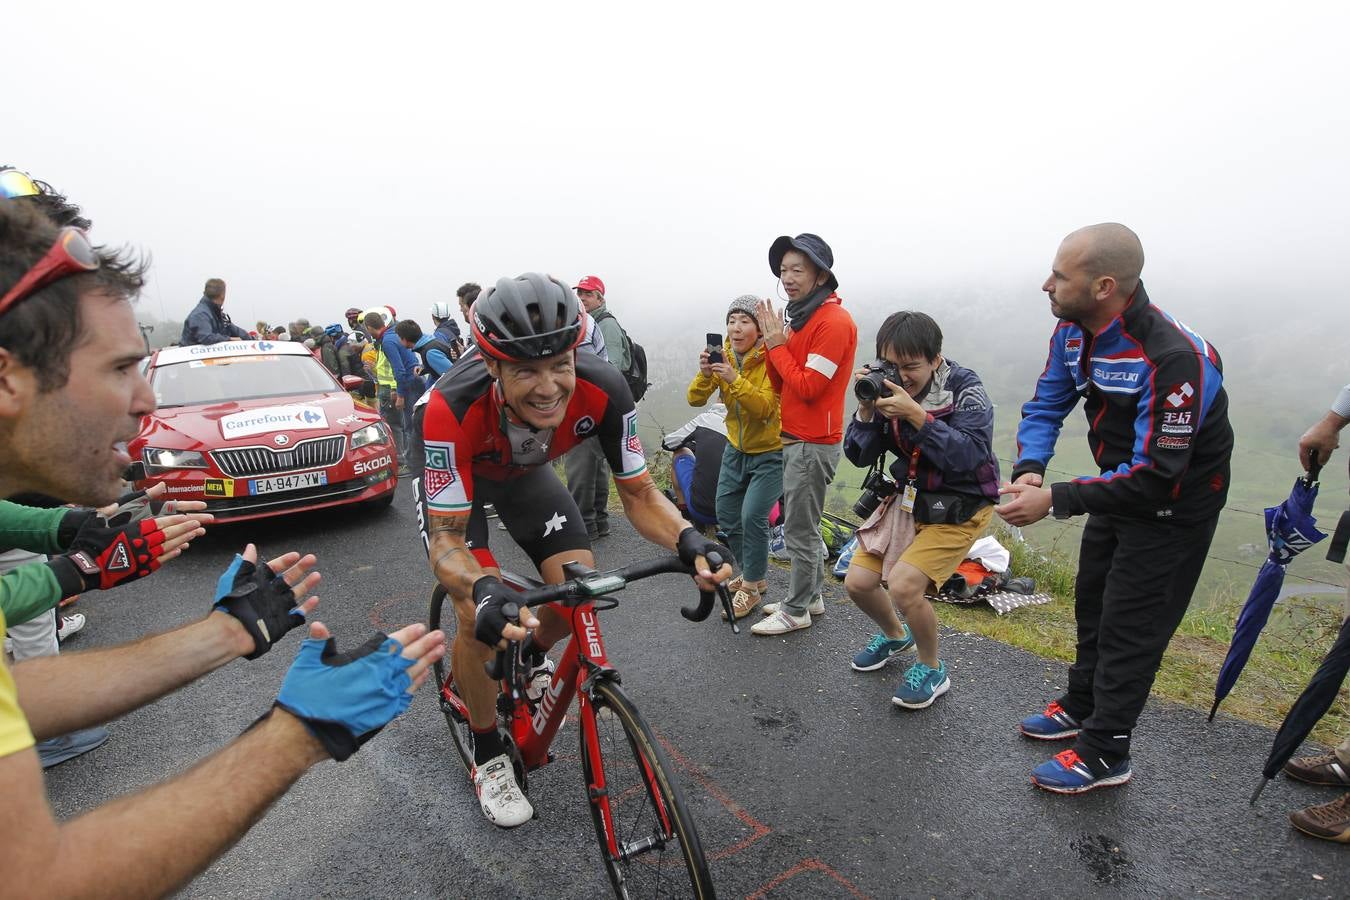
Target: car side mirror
(352, 382)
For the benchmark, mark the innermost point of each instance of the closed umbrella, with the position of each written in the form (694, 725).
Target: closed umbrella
(1311, 705)
(1290, 529)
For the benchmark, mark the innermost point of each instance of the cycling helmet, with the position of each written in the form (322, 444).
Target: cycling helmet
(440, 310)
(352, 314)
(334, 331)
(527, 317)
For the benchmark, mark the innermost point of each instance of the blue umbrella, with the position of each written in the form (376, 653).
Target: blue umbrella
(1290, 529)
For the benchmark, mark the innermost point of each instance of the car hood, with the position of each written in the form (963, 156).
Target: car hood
(241, 422)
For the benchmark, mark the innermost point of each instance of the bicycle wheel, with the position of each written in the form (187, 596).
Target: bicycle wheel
(460, 733)
(659, 854)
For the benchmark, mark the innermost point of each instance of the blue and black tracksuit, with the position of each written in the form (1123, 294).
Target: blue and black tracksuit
(1158, 428)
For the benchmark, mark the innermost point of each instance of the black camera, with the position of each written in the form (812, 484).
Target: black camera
(876, 487)
(872, 385)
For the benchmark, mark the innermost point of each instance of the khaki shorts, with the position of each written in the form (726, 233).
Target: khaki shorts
(937, 549)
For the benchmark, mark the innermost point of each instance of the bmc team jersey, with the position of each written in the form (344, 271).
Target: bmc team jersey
(1157, 417)
(466, 434)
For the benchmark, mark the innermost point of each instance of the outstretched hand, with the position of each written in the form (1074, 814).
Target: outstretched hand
(344, 699)
(266, 601)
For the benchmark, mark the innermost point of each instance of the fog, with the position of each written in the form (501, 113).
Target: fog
(320, 156)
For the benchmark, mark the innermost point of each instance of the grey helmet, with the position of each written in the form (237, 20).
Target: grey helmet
(527, 317)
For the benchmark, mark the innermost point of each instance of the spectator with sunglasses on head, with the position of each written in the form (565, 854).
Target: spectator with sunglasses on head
(54, 282)
(32, 584)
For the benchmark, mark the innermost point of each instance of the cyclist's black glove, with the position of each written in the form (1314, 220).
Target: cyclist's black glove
(100, 556)
(344, 699)
(692, 544)
(495, 607)
(261, 600)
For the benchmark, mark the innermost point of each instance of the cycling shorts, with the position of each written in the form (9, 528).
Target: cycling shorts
(537, 510)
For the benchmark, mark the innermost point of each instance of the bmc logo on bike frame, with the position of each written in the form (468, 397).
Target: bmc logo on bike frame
(592, 632)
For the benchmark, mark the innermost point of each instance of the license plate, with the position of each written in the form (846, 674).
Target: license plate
(292, 482)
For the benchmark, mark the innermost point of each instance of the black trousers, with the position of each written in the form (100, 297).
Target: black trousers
(1135, 581)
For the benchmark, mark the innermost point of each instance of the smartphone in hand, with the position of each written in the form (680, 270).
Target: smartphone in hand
(714, 347)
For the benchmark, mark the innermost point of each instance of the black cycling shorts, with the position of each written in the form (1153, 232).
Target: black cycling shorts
(537, 510)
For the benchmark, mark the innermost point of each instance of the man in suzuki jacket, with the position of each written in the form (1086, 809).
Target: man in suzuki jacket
(1158, 428)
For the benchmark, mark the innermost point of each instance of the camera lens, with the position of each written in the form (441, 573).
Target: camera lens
(866, 505)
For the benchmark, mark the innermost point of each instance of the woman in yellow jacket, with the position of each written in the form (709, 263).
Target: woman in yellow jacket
(751, 480)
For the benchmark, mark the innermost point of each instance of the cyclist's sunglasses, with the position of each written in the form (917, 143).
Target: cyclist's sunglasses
(70, 255)
(14, 183)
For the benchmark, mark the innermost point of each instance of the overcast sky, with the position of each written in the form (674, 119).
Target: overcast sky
(324, 155)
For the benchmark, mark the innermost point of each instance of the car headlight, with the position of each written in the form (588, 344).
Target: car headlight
(157, 460)
(371, 434)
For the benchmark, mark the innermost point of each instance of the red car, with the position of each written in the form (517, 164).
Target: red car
(260, 428)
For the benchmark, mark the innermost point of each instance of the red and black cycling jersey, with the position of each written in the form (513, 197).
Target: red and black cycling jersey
(465, 432)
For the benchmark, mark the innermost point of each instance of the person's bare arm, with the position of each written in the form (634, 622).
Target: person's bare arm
(657, 520)
(150, 843)
(60, 694)
(454, 566)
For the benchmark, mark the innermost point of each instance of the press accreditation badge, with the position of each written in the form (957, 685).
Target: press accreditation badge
(907, 499)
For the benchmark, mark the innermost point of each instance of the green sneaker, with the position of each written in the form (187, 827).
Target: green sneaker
(879, 651)
(922, 685)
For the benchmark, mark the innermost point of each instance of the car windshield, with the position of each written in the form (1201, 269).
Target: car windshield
(239, 378)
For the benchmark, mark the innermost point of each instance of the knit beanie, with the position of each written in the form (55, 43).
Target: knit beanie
(746, 303)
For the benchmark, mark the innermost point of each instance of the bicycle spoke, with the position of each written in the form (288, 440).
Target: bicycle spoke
(658, 854)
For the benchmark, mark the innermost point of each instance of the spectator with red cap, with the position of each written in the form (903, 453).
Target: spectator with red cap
(587, 473)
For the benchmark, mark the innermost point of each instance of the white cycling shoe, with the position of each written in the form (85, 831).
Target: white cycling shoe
(537, 680)
(503, 801)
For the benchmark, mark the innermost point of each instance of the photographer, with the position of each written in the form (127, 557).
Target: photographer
(936, 417)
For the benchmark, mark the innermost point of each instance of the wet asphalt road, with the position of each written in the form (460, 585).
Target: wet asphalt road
(803, 778)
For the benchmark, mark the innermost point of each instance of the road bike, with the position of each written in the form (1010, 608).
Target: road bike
(648, 841)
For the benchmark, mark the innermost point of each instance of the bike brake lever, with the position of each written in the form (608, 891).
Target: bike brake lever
(705, 598)
(506, 665)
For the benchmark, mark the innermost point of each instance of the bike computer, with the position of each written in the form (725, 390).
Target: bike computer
(595, 585)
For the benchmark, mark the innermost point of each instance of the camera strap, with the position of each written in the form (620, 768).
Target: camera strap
(911, 492)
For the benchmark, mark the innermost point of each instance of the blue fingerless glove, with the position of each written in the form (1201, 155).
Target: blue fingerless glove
(261, 600)
(344, 699)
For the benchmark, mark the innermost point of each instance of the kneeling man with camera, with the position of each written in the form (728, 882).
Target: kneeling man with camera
(936, 418)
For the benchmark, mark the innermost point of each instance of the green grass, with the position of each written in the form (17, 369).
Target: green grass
(1287, 654)
(1284, 659)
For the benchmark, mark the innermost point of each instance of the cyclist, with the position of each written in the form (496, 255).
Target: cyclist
(485, 434)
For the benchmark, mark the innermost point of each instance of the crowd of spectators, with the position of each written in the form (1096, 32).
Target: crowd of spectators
(1157, 424)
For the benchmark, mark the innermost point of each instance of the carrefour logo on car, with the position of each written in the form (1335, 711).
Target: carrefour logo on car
(372, 465)
(230, 347)
(273, 418)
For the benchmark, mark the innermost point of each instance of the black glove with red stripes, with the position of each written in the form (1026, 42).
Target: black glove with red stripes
(100, 556)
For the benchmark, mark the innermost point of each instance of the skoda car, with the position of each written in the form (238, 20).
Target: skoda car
(257, 428)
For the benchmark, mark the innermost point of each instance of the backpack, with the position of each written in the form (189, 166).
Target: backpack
(636, 373)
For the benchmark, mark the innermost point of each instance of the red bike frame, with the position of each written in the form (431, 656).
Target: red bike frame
(533, 731)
